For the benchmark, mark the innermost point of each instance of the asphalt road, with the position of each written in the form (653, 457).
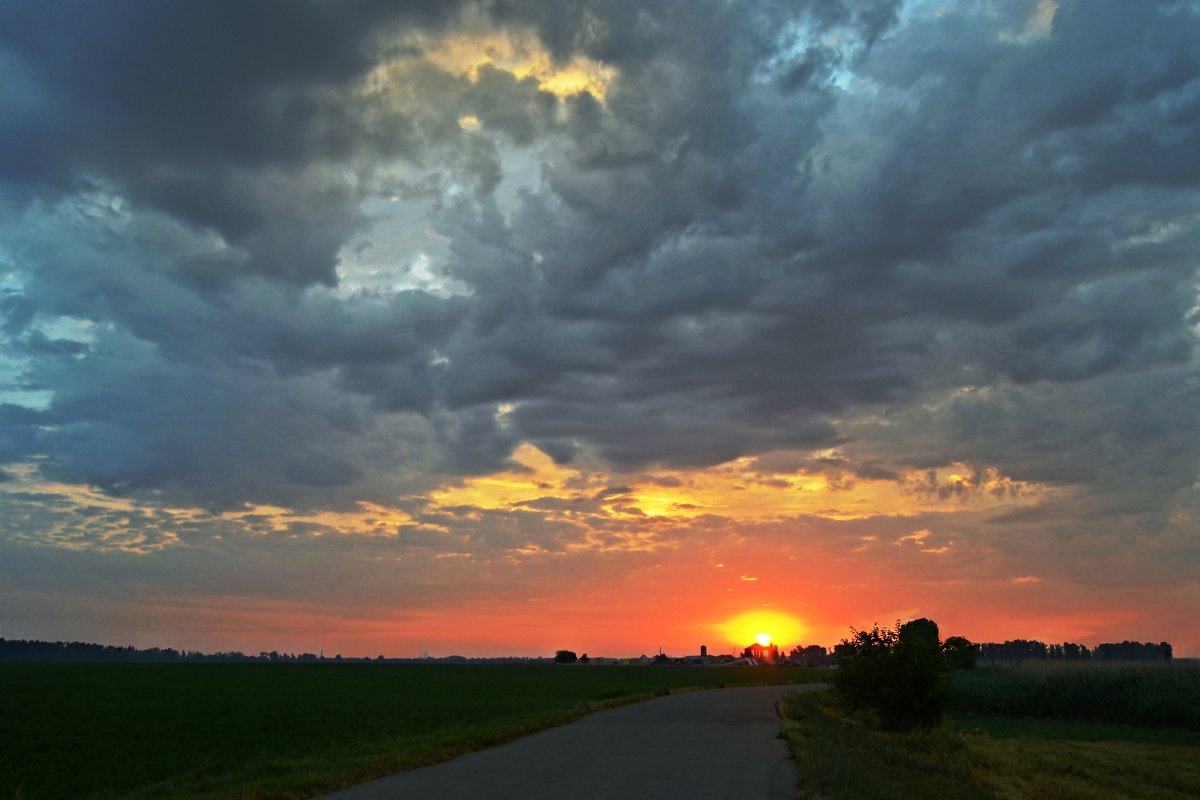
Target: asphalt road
(708, 745)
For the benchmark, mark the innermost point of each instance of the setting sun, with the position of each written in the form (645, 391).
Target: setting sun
(753, 626)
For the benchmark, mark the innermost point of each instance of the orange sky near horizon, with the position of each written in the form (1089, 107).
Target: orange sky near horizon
(671, 560)
(676, 614)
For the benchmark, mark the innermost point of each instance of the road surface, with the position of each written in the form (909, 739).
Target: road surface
(707, 745)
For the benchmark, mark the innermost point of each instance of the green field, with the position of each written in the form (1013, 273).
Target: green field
(292, 730)
(1150, 695)
(1073, 732)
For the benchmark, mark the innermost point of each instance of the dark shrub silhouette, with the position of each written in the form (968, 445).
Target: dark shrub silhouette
(564, 657)
(898, 674)
(960, 652)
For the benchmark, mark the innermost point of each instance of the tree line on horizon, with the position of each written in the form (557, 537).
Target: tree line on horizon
(1020, 649)
(805, 655)
(959, 648)
(36, 650)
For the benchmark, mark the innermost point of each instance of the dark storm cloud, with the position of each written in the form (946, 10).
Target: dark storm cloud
(626, 31)
(517, 107)
(1130, 437)
(214, 113)
(996, 211)
(784, 227)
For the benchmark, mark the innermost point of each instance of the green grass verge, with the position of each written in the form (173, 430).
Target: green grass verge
(1075, 760)
(986, 756)
(842, 757)
(260, 731)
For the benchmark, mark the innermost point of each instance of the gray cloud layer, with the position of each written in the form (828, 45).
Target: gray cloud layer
(787, 226)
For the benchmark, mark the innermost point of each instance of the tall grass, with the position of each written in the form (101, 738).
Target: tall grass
(842, 758)
(1155, 695)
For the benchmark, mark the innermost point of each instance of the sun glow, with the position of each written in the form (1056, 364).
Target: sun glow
(752, 626)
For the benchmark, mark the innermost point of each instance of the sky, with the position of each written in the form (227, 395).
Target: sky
(509, 326)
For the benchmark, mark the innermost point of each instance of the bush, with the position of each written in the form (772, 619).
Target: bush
(960, 653)
(564, 657)
(898, 674)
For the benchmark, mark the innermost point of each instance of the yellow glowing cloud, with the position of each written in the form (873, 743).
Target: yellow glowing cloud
(521, 54)
(369, 518)
(541, 477)
(736, 491)
(639, 504)
(113, 533)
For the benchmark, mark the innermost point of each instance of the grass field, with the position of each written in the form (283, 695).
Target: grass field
(256, 731)
(1031, 732)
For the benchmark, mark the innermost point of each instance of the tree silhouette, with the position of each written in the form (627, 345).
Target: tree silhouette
(898, 674)
(960, 652)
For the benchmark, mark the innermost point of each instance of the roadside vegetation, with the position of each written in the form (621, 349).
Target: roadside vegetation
(261, 731)
(1069, 730)
(840, 754)
(846, 756)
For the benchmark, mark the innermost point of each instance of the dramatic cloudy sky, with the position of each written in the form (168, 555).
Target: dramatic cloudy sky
(501, 326)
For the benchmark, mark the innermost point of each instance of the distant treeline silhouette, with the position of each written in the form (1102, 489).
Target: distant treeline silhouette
(811, 656)
(1020, 649)
(40, 651)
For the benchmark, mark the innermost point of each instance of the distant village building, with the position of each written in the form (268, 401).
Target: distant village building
(763, 653)
(705, 658)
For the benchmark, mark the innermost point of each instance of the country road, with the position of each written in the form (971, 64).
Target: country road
(708, 745)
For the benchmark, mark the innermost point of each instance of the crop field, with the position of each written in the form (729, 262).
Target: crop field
(1152, 695)
(258, 731)
(1075, 732)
